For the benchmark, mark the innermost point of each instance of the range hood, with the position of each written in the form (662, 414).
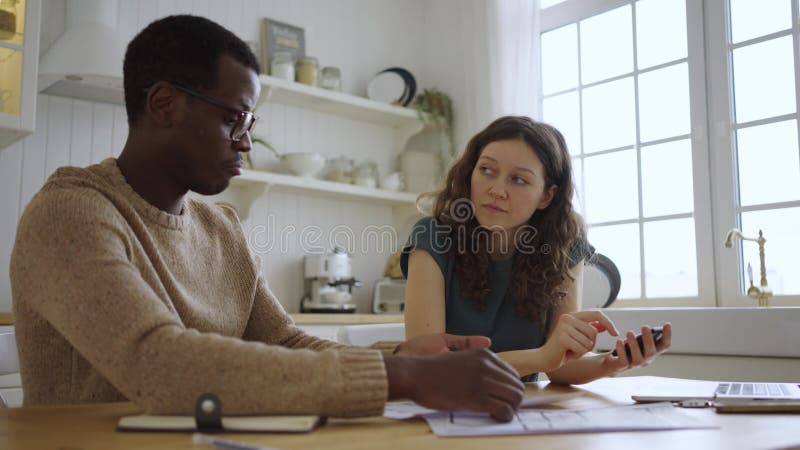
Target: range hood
(86, 60)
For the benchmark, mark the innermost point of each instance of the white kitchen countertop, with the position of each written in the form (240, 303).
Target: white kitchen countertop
(326, 319)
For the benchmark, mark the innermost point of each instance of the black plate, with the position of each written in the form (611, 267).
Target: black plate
(411, 84)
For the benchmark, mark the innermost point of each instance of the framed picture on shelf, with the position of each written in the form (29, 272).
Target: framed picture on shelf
(280, 37)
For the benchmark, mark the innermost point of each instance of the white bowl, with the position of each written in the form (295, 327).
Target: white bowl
(304, 164)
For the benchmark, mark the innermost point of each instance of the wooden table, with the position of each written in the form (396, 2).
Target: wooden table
(92, 427)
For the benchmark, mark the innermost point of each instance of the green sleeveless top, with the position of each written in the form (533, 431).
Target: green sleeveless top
(499, 320)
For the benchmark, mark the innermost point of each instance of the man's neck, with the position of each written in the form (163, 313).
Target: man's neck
(150, 179)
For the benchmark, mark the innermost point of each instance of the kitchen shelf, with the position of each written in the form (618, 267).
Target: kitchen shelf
(327, 188)
(246, 188)
(332, 102)
(109, 90)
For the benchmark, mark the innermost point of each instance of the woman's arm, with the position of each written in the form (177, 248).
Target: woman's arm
(589, 367)
(425, 314)
(572, 333)
(593, 366)
(424, 308)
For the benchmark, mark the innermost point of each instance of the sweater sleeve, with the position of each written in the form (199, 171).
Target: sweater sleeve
(269, 323)
(71, 266)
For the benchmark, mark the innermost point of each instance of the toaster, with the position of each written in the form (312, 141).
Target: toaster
(389, 296)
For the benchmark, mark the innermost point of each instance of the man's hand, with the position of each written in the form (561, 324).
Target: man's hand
(436, 344)
(574, 335)
(469, 380)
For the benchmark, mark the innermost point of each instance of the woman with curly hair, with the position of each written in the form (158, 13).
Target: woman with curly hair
(502, 256)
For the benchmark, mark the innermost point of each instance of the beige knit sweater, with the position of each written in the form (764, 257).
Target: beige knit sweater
(115, 299)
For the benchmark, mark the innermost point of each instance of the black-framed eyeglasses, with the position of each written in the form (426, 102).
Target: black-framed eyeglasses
(245, 119)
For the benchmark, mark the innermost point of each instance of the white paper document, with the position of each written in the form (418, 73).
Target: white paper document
(654, 416)
(409, 409)
(405, 410)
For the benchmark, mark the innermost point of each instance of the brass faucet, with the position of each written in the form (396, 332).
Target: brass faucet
(763, 292)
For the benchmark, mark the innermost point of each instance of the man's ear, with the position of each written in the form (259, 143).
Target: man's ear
(162, 104)
(549, 195)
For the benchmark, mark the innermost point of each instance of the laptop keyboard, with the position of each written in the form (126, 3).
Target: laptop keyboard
(752, 389)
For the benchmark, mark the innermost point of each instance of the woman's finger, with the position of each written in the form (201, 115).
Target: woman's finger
(666, 337)
(586, 342)
(636, 352)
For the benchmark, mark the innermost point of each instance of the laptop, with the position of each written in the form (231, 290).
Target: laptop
(719, 391)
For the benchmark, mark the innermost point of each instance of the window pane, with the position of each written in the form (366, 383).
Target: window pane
(608, 116)
(563, 112)
(667, 179)
(611, 187)
(768, 153)
(560, 59)
(670, 259)
(660, 31)
(763, 77)
(664, 103)
(753, 18)
(577, 180)
(780, 250)
(606, 45)
(621, 244)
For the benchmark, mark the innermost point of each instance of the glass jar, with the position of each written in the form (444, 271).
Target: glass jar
(282, 66)
(8, 19)
(366, 174)
(307, 71)
(340, 169)
(331, 78)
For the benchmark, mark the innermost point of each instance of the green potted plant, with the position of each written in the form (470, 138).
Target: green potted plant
(435, 107)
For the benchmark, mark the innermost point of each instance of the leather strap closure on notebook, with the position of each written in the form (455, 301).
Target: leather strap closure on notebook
(208, 413)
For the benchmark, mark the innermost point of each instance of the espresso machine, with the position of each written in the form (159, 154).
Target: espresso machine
(328, 283)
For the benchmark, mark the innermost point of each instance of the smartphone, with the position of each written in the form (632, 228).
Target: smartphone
(658, 333)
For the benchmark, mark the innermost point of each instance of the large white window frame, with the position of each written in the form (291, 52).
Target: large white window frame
(572, 11)
(716, 210)
(723, 160)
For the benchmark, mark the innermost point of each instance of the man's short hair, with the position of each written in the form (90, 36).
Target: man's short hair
(181, 49)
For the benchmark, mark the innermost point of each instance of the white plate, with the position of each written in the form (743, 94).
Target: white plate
(387, 87)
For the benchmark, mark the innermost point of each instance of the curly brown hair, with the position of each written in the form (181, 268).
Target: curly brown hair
(538, 275)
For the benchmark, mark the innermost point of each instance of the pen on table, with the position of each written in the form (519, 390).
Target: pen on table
(226, 444)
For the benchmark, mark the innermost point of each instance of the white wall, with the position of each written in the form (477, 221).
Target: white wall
(359, 36)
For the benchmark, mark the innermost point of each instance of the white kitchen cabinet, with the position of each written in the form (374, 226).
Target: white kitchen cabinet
(19, 59)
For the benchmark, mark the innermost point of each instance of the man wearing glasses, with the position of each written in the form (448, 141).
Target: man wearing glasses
(125, 288)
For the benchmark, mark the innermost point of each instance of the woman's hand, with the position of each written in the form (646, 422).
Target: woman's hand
(574, 335)
(639, 357)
